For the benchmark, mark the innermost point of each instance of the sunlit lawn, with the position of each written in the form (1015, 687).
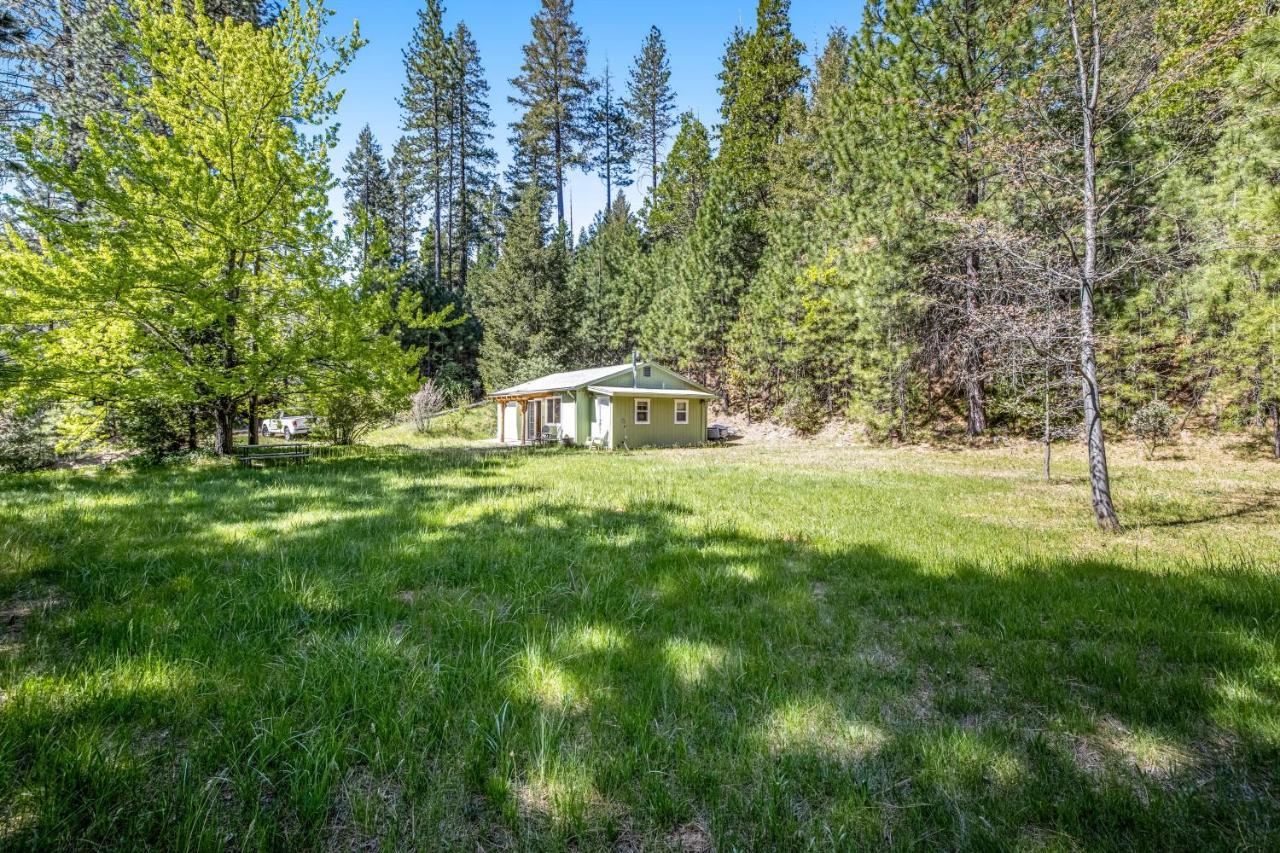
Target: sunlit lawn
(743, 647)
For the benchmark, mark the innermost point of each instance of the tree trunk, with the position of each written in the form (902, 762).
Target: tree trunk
(193, 441)
(1089, 81)
(653, 154)
(1275, 429)
(559, 176)
(1048, 436)
(975, 392)
(464, 215)
(435, 166)
(448, 230)
(224, 426)
(608, 176)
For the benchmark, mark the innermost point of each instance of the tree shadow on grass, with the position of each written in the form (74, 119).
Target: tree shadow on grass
(415, 650)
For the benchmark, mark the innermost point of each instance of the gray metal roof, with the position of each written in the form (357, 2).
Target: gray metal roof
(562, 381)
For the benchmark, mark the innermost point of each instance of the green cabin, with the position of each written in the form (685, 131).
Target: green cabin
(641, 404)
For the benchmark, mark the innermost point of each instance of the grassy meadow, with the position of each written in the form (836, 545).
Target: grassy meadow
(431, 644)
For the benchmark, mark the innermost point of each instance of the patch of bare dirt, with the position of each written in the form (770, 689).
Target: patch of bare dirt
(17, 611)
(691, 838)
(362, 812)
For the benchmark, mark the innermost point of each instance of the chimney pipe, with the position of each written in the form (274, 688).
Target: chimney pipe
(635, 355)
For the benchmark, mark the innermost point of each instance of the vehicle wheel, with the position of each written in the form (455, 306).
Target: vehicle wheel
(288, 434)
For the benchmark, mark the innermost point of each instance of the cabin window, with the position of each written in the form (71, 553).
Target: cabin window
(682, 411)
(648, 371)
(642, 411)
(552, 415)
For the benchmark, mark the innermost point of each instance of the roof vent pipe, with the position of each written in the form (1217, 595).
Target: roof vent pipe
(635, 356)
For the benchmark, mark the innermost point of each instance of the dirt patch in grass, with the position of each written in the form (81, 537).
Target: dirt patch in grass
(16, 612)
(1112, 748)
(482, 603)
(363, 812)
(690, 838)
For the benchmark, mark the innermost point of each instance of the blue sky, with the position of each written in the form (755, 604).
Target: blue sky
(695, 31)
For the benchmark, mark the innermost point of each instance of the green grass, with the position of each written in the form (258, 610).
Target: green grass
(756, 647)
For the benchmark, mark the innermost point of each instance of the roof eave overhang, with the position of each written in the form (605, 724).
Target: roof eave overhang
(528, 395)
(677, 393)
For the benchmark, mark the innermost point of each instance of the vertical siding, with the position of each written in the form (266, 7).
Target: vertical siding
(569, 415)
(582, 416)
(662, 430)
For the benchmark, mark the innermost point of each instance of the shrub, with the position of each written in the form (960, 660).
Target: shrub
(154, 428)
(344, 418)
(424, 404)
(804, 412)
(26, 439)
(1153, 424)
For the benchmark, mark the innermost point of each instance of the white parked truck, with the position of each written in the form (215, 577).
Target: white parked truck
(287, 425)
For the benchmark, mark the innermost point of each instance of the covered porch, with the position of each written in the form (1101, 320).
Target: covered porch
(530, 419)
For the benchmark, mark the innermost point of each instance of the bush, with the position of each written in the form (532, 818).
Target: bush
(804, 412)
(26, 439)
(347, 415)
(424, 404)
(1153, 424)
(156, 429)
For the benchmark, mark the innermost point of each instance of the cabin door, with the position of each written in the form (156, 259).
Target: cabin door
(603, 419)
(532, 419)
(511, 423)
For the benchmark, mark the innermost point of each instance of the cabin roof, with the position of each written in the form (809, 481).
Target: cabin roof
(565, 381)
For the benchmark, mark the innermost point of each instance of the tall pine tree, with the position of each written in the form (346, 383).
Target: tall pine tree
(427, 103)
(472, 129)
(554, 92)
(651, 101)
(367, 194)
(683, 177)
(614, 146)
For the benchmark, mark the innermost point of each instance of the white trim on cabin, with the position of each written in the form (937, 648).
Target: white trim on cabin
(648, 411)
(676, 411)
(682, 393)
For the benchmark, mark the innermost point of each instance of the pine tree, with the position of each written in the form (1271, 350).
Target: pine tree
(404, 205)
(651, 101)
(554, 92)
(474, 154)
(427, 103)
(692, 316)
(761, 74)
(521, 301)
(602, 282)
(67, 67)
(788, 354)
(614, 143)
(684, 175)
(1235, 307)
(367, 193)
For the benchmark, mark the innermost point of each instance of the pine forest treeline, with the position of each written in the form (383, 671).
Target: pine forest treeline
(979, 216)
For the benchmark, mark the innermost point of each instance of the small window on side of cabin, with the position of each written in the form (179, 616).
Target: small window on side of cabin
(682, 411)
(648, 371)
(642, 411)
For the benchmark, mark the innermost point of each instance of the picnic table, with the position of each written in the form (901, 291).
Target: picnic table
(268, 453)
